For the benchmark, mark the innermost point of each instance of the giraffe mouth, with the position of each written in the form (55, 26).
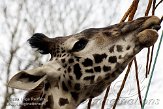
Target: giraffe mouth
(148, 34)
(155, 27)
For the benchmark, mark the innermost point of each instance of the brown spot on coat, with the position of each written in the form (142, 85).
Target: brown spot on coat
(107, 33)
(112, 59)
(128, 47)
(77, 86)
(99, 78)
(99, 57)
(49, 104)
(75, 95)
(63, 101)
(111, 49)
(119, 48)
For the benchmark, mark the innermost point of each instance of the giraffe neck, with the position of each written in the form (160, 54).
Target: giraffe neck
(62, 99)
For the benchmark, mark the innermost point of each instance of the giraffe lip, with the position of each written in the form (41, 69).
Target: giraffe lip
(156, 27)
(152, 22)
(148, 34)
(148, 37)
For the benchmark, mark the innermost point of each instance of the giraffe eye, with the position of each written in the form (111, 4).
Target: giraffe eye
(79, 45)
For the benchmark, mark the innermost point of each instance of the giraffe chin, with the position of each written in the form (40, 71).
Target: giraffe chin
(148, 37)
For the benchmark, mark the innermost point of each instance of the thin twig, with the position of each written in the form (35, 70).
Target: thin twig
(105, 97)
(89, 103)
(161, 19)
(153, 12)
(158, 4)
(147, 63)
(13, 51)
(148, 52)
(127, 13)
(153, 8)
(137, 81)
(148, 7)
(151, 57)
(131, 16)
(134, 8)
(122, 86)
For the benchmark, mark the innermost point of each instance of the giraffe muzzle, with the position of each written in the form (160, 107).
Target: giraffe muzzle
(156, 27)
(148, 36)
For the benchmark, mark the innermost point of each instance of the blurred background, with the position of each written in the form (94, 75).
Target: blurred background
(19, 19)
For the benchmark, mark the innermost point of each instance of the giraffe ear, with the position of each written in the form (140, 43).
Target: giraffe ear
(26, 81)
(30, 79)
(40, 42)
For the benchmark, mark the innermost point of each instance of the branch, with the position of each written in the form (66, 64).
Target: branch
(13, 50)
(148, 7)
(147, 63)
(148, 53)
(7, 93)
(137, 81)
(151, 57)
(127, 13)
(89, 103)
(134, 8)
(153, 8)
(158, 4)
(122, 86)
(105, 97)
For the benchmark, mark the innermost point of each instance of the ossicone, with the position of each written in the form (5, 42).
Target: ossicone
(41, 42)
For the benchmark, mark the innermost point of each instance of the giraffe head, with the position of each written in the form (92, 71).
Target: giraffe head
(84, 64)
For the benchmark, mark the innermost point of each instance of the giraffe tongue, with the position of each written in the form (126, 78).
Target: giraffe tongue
(147, 37)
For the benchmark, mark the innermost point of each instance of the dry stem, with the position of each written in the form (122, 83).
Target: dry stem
(147, 63)
(148, 7)
(127, 13)
(89, 103)
(134, 8)
(137, 81)
(122, 86)
(105, 97)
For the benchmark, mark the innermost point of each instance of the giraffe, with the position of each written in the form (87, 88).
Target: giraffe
(84, 64)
